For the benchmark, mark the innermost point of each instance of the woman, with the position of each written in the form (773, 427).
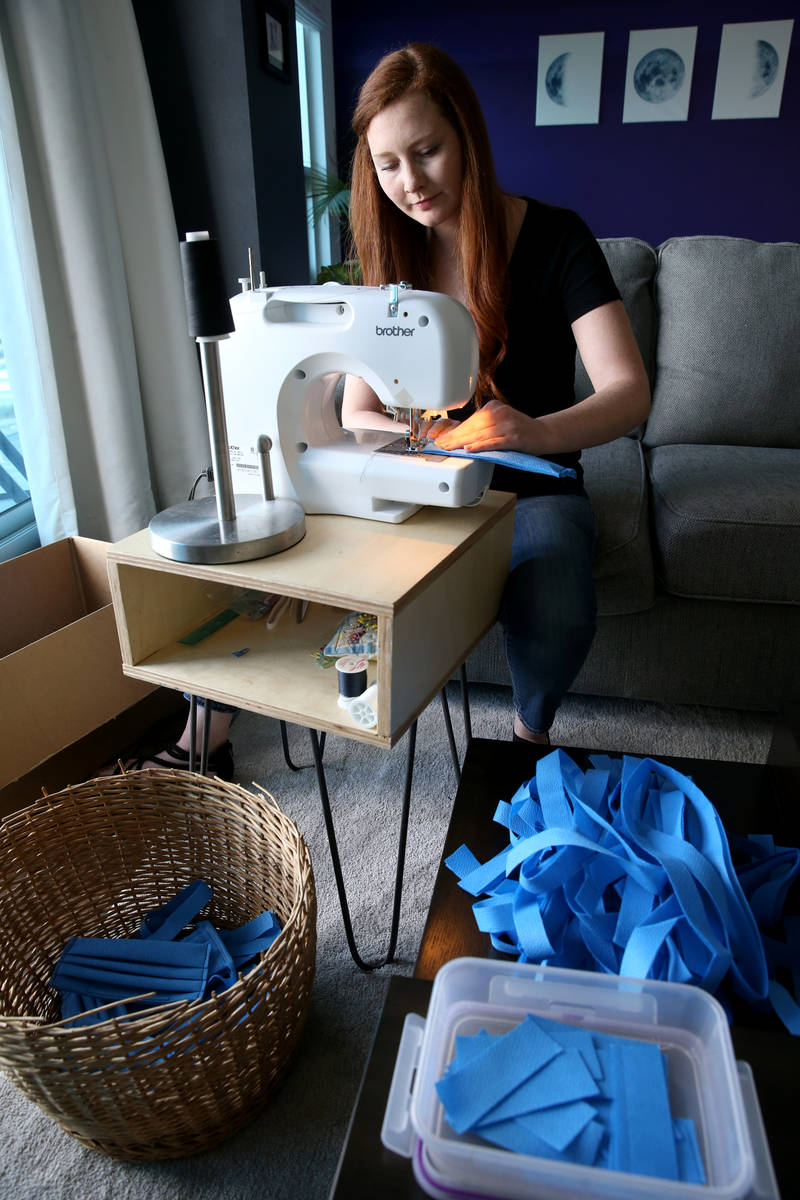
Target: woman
(426, 207)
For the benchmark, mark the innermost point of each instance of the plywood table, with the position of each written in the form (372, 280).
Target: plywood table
(433, 584)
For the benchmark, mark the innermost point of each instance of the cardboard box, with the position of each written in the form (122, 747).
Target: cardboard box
(60, 664)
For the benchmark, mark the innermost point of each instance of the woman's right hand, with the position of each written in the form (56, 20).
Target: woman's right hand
(436, 428)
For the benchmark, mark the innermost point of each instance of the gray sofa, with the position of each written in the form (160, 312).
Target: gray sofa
(698, 561)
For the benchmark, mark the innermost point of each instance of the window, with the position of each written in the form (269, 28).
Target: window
(18, 531)
(315, 85)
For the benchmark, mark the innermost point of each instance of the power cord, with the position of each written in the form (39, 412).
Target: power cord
(207, 474)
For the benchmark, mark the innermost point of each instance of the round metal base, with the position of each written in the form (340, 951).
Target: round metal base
(193, 533)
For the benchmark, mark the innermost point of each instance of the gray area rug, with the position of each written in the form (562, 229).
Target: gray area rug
(292, 1148)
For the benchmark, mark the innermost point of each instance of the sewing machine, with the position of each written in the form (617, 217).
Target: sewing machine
(280, 372)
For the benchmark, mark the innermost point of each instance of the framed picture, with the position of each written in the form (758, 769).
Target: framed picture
(751, 69)
(274, 44)
(659, 75)
(568, 84)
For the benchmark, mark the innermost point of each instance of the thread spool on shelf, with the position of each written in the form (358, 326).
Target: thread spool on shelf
(360, 701)
(351, 672)
(364, 709)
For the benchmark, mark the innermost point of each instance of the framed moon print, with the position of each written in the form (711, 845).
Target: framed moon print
(751, 69)
(568, 87)
(274, 44)
(659, 74)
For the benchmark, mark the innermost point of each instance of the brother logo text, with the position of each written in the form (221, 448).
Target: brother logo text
(393, 331)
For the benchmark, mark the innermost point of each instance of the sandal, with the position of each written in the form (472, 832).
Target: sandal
(516, 738)
(220, 763)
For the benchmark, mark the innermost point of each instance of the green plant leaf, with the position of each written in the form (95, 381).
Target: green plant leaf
(343, 272)
(329, 196)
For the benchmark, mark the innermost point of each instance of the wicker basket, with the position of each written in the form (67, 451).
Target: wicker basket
(92, 860)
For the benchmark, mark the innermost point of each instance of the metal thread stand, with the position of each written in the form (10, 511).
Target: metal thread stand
(317, 747)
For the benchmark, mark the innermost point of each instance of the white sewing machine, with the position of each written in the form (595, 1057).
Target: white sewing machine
(280, 369)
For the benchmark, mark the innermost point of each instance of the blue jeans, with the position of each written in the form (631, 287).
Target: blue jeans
(549, 609)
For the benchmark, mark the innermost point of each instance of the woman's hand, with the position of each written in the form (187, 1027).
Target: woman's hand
(436, 428)
(496, 426)
(621, 399)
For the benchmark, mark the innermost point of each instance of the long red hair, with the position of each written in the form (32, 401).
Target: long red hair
(392, 247)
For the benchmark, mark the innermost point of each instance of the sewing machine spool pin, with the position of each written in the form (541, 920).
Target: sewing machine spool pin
(264, 445)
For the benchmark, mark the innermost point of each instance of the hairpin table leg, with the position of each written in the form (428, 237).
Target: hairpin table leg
(206, 736)
(337, 866)
(450, 737)
(192, 731)
(465, 702)
(285, 744)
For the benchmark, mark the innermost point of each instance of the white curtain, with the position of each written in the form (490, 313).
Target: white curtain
(115, 429)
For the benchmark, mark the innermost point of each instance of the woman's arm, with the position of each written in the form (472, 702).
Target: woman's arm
(620, 401)
(361, 408)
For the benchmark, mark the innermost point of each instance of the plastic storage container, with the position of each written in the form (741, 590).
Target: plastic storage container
(705, 1084)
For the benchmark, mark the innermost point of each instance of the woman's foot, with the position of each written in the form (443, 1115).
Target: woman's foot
(176, 756)
(522, 734)
(173, 758)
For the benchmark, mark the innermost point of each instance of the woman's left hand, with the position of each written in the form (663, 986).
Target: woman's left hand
(496, 426)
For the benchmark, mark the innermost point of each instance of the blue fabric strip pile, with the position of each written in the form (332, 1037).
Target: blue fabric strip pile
(626, 869)
(164, 960)
(561, 1092)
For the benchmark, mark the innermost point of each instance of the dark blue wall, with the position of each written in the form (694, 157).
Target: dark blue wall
(653, 180)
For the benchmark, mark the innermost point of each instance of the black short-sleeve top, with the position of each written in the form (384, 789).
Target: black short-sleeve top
(557, 273)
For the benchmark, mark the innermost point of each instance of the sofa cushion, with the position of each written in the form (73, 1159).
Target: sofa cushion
(727, 358)
(727, 521)
(615, 479)
(633, 266)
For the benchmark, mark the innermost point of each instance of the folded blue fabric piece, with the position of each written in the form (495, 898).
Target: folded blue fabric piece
(168, 921)
(616, 1114)
(626, 868)
(116, 968)
(508, 458)
(247, 942)
(557, 1127)
(163, 958)
(487, 1078)
(75, 1005)
(560, 1082)
(221, 969)
(642, 1139)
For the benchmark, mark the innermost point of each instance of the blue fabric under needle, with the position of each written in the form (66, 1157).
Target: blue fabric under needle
(507, 458)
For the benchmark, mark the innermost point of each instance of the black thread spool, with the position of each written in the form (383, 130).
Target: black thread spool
(209, 317)
(208, 310)
(351, 671)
